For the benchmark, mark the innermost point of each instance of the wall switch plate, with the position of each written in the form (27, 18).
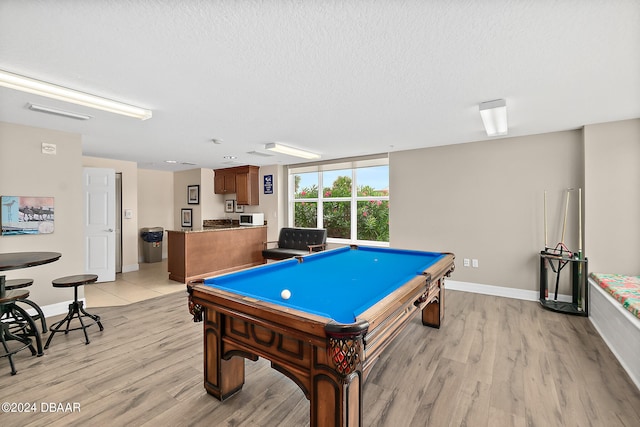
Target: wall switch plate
(474, 263)
(465, 262)
(128, 213)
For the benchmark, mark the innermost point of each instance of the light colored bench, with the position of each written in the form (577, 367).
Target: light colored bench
(614, 312)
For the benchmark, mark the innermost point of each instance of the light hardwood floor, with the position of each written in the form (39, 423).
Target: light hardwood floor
(495, 362)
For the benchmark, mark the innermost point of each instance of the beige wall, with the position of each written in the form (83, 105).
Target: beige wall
(484, 200)
(612, 202)
(181, 180)
(130, 231)
(272, 205)
(25, 171)
(155, 201)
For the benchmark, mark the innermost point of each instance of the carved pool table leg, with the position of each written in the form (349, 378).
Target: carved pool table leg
(222, 378)
(336, 401)
(433, 313)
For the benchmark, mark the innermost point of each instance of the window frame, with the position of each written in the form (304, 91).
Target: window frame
(320, 168)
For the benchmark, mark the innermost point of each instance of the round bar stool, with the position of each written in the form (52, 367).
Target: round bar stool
(24, 283)
(7, 303)
(75, 308)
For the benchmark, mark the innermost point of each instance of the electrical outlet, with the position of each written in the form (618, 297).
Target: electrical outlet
(474, 263)
(466, 262)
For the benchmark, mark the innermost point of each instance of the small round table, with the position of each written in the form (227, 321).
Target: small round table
(76, 309)
(7, 304)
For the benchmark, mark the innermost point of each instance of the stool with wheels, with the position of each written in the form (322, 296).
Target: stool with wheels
(76, 309)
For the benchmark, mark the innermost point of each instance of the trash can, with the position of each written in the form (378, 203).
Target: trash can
(152, 243)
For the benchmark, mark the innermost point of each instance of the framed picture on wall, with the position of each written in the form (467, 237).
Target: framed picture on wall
(185, 215)
(26, 215)
(229, 205)
(193, 194)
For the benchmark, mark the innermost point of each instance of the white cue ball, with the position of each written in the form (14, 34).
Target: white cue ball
(285, 294)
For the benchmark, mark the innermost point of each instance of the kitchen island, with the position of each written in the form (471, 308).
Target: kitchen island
(208, 251)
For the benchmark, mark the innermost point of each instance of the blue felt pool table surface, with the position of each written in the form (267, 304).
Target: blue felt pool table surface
(339, 284)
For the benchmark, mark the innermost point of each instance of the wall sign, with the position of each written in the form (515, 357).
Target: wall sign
(268, 184)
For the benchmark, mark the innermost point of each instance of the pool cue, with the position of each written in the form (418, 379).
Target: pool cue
(580, 291)
(546, 246)
(564, 227)
(545, 221)
(566, 211)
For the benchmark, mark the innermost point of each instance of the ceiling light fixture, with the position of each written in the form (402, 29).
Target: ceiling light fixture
(37, 87)
(494, 117)
(57, 112)
(285, 149)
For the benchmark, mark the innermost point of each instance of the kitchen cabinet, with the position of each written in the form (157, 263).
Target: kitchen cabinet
(241, 180)
(224, 181)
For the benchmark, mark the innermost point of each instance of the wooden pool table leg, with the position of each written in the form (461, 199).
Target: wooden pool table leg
(222, 378)
(336, 403)
(433, 313)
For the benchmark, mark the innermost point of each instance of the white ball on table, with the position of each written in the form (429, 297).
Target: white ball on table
(285, 294)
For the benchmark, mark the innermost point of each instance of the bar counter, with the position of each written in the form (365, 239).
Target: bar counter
(208, 251)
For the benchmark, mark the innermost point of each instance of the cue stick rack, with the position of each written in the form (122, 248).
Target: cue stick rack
(556, 259)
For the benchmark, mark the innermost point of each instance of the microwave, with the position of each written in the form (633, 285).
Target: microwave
(252, 219)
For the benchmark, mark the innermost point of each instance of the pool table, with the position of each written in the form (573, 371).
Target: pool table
(345, 306)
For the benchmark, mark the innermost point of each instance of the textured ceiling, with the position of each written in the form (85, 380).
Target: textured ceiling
(343, 78)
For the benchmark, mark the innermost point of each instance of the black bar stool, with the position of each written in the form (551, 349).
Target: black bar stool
(20, 322)
(7, 303)
(23, 283)
(75, 308)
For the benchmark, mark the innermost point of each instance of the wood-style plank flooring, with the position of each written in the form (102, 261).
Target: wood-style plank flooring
(495, 362)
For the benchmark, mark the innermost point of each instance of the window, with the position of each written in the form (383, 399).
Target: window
(349, 199)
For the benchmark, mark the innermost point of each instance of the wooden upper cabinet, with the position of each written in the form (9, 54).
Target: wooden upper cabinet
(224, 181)
(242, 180)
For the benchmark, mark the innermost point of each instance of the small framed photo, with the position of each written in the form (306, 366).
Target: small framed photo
(229, 205)
(193, 194)
(185, 215)
(239, 208)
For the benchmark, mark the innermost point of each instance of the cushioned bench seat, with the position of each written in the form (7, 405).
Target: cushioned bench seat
(613, 309)
(625, 289)
(296, 242)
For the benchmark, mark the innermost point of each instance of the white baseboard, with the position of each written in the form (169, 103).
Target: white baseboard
(54, 309)
(499, 291)
(130, 268)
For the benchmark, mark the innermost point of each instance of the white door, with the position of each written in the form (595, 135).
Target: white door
(99, 189)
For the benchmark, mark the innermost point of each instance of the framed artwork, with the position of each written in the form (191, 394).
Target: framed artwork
(193, 194)
(239, 208)
(26, 215)
(185, 215)
(229, 205)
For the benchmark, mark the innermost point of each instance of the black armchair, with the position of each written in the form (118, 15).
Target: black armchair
(295, 242)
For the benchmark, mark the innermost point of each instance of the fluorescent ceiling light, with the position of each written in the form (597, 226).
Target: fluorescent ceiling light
(57, 112)
(37, 87)
(284, 149)
(494, 117)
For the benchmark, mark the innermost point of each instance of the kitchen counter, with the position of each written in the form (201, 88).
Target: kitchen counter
(217, 228)
(214, 249)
